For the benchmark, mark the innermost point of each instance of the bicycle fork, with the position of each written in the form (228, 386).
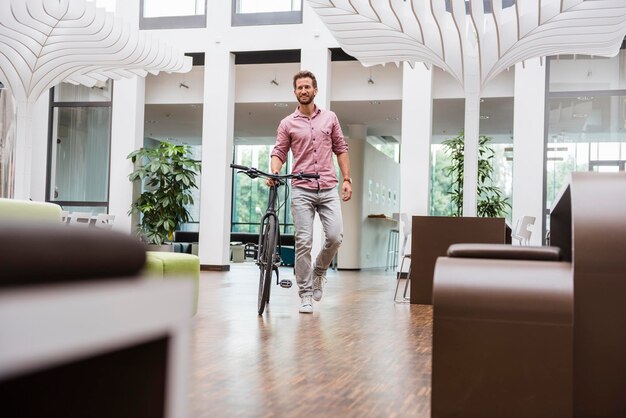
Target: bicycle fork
(275, 259)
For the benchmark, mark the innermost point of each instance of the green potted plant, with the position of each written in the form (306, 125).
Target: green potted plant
(491, 200)
(168, 174)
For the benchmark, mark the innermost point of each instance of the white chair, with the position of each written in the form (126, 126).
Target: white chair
(104, 221)
(521, 232)
(80, 219)
(406, 255)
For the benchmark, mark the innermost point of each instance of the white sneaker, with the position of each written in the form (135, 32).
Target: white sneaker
(307, 304)
(318, 286)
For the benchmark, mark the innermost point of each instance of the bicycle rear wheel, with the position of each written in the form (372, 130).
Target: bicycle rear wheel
(266, 255)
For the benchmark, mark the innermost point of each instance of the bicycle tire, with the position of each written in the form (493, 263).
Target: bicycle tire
(268, 243)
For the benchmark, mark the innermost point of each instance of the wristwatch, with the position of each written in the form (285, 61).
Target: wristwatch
(348, 179)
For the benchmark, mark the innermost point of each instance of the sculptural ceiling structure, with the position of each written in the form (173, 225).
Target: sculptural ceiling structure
(473, 41)
(46, 42)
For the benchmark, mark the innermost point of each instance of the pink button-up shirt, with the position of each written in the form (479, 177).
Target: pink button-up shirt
(312, 141)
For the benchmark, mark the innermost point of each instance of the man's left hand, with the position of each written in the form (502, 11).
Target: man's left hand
(346, 191)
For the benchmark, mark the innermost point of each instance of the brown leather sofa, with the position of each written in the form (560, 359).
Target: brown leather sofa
(538, 332)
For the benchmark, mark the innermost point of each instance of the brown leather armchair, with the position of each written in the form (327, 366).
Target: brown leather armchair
(518, 333)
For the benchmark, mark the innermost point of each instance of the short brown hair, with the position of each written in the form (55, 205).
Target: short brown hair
(304, 74)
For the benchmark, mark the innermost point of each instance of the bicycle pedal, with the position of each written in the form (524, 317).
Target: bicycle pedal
(286, 283)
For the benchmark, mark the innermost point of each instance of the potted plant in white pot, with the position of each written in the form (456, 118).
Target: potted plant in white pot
(168, 174)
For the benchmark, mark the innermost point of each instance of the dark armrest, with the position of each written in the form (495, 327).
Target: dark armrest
(34, 253)
(503, 251)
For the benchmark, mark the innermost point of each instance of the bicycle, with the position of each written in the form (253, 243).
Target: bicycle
(268, 257)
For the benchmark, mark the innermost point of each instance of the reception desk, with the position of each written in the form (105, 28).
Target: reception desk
(431, 237)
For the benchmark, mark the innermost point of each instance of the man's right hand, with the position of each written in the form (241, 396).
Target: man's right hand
(271, 182)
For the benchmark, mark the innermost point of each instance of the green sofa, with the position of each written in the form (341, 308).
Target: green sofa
(28, 210)
(170, 265)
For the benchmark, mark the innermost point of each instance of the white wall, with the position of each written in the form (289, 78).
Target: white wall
(165, 88)
(350, 82)
(380, 180)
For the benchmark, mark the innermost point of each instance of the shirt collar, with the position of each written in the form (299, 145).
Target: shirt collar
(299, 114)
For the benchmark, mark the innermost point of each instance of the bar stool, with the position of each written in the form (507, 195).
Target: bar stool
(392, 249)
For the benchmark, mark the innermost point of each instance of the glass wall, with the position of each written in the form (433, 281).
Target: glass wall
(79, 148)
(250, 195)
(448, 122)
(586, 114)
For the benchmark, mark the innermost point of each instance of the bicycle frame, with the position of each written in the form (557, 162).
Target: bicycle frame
(270, 212)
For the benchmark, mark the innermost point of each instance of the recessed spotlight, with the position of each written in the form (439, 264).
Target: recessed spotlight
(483, 117)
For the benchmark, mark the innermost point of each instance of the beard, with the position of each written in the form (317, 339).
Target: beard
(305, 100)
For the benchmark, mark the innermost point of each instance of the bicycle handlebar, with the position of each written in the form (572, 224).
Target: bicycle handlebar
(254, 173)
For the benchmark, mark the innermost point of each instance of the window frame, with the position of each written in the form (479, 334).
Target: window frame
(265, 18)
(171, 22)
(60, 104)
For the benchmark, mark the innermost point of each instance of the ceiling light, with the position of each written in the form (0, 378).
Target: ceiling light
(483, 117)
(281, 104)
(584, 98)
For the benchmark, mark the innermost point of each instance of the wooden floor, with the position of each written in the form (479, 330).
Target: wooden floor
(358, 355)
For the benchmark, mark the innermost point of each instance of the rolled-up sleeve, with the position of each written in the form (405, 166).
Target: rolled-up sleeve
(339, 143)
(281, 148)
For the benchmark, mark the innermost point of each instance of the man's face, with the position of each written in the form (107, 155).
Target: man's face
(305, 93)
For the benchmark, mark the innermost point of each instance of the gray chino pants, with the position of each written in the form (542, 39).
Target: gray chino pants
(304, 204)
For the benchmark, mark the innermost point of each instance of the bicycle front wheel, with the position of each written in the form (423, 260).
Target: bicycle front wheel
(266, 255)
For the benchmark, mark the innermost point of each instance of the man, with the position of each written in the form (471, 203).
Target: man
(313, 135)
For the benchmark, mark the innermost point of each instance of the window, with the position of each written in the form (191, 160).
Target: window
(79, 147)
(250, 196)
(586, 114)
(266, 12)
(8, 125)
(167, 14)
(585, 133)
(496, 122)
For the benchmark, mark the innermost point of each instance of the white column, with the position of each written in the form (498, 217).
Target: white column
(528, 144)
(471, 130)
(349, 256)
(127, 122)
(417, 103)
(40, 148)
(317, 61)
(217, 154)
(23, 150)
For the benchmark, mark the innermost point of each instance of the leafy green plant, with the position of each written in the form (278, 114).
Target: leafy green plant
(168, 174)
(491, 200)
